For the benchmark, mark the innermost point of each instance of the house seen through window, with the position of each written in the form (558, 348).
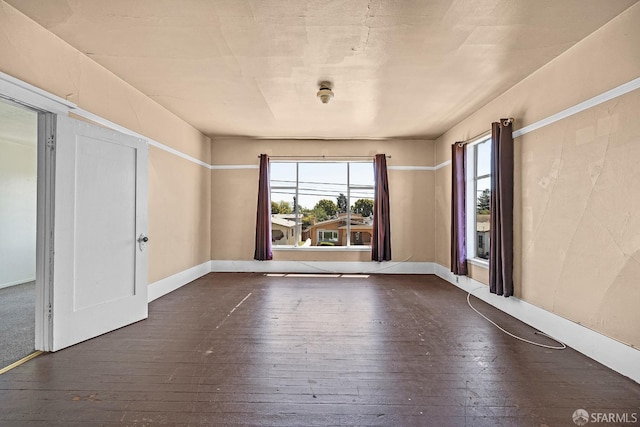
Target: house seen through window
(321, 203)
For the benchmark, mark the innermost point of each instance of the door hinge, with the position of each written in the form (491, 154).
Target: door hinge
(51, 142)
(49, 311)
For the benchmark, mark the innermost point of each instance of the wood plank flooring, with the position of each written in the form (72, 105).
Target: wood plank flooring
(246, 349)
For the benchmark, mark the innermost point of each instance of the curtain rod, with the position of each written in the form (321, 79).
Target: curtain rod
(485, 133)
(478, 136)
(323, 157)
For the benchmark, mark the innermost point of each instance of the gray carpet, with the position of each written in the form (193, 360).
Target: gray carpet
(17, 322)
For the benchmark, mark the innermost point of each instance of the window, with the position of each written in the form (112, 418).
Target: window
(478, 198)
(323, 201)
(327, 237)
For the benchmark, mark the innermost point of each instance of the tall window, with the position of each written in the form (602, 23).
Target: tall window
(322, 202)
(479, 197)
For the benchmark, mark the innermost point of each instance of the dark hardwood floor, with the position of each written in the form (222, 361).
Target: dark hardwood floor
(246, 349)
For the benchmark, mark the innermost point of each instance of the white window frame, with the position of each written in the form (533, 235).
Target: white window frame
(471, 192)
(350, 187)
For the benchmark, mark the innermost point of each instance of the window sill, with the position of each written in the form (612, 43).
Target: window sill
(478, 262)
(323, 248)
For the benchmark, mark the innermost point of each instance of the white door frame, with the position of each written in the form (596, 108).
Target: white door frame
(45, 235)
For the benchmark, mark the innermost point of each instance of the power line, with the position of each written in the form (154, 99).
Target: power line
(322, 190)
(358, 196)
(344, 184)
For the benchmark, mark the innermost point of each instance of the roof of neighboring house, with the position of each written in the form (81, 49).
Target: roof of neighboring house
(356, 219)
(483, 222)
(283, 222)
(483, 226)
(325, 222)
(286, 216)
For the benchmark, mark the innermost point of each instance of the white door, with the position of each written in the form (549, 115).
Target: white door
(100, 225)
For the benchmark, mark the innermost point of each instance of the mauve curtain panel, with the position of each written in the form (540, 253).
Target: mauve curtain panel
(381, 241)
(501, 234)
(263, 216)
(458, 210)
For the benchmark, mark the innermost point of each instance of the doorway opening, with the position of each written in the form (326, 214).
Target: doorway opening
(18, 230)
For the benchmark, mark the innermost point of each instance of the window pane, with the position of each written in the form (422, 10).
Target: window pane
(320, 187)
(283, 187)
(361, 174)
(322, 181)
(482, 205)
(483, 158)
(282, 174)
(283, 192)
(361, 188)
(483, 195)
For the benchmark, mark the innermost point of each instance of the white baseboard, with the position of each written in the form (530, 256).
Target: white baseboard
(620, 357)
(171, 283)
(345, 267)
(16, 282)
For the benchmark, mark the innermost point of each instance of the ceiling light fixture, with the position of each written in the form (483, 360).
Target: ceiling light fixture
(325, 93)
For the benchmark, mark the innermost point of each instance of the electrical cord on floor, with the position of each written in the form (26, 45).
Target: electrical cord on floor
(563, 346)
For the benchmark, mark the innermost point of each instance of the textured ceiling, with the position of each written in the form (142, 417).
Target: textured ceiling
(400, 68)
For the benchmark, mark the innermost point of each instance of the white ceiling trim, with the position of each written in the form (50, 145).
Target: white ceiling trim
(412, 168)
(226, 167)
(443, 164)
(585, 105)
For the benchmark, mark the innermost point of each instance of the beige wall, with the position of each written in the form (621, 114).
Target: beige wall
(577, 214)
(234, 195)
(178, 222)
(34, 55)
